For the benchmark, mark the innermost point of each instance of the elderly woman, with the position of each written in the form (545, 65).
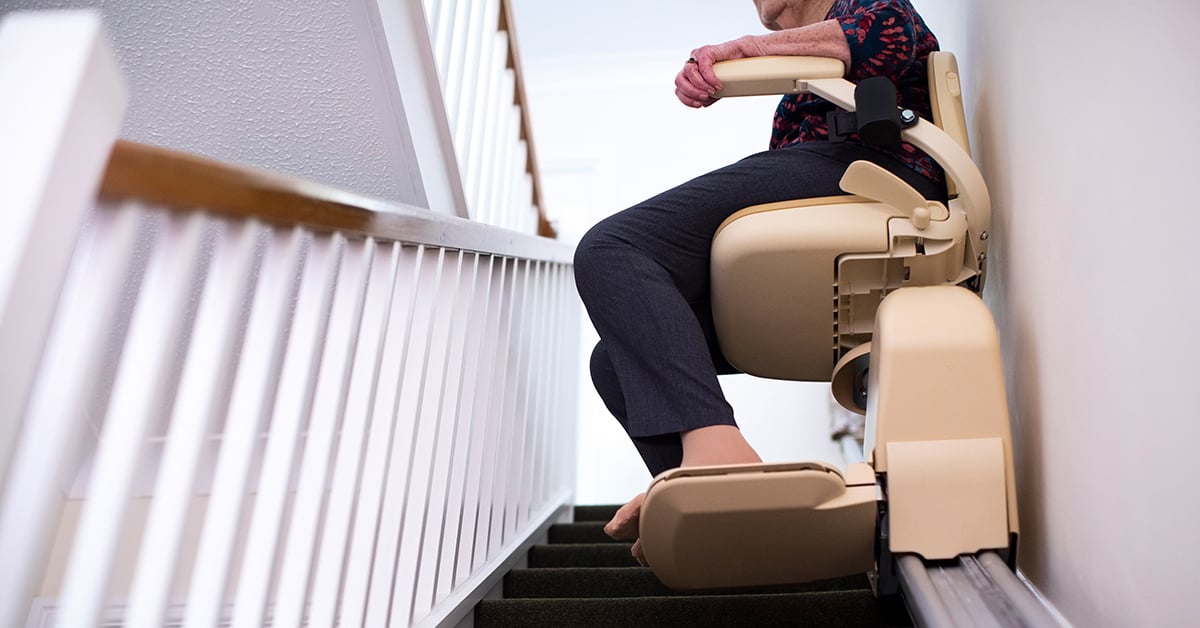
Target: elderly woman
(643, 273)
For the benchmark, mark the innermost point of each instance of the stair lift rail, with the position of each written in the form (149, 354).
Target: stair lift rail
(978, 590)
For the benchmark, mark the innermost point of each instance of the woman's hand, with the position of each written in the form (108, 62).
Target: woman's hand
(696, 83)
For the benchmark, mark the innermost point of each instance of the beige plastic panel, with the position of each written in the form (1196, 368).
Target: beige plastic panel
(759, 76)
(947, 497)
(754, 525)
(774, 281)
(796, 284)
(868, 180)
(936, 374)
(945, 94)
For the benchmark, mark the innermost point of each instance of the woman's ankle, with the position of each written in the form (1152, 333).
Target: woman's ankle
(716, 445)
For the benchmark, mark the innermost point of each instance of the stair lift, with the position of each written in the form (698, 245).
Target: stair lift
(875, 292)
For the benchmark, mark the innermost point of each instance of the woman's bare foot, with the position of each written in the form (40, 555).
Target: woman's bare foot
(638, 554)
(713, 445)
(624, 524)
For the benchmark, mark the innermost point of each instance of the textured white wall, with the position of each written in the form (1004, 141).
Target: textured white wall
(1084, 120)
(297, 86)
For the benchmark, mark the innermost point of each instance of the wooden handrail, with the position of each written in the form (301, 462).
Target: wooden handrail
(182, 181)
(508, 23)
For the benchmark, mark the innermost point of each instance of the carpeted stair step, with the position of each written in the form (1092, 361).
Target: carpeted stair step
(832, 609)
(595, 513)
(582, 555)
(561, 582)
(582, 578)
(579, 532)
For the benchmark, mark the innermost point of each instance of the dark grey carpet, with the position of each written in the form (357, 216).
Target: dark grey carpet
(584, 579)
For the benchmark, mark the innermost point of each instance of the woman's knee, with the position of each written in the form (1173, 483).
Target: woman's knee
(604, 378)
(595, 249)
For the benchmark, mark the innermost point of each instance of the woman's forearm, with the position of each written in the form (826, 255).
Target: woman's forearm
(696, 84)
(823, 39)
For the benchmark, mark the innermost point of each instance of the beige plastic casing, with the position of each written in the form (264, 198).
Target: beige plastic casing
(752, 525)
(937, 423)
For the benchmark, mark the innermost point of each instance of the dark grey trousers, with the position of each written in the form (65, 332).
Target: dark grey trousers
(643, 275)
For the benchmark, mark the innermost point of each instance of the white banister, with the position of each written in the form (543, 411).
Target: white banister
(272, 402)
(51, 155)
(475, 48)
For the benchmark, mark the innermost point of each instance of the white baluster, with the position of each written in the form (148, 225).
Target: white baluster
(145, 379)
(206, 380)
(349, 465)
(363, 549)
(254, 392)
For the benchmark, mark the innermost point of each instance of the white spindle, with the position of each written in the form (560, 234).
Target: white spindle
(555, 381)
(507, 410)
(292, 408)
(489, 56)
(392, 575)
(525, 424)
(431, 9)
(500, 132)
(534, 385)
(521, 426)
(206, 380)
(143, 385)
(379, 441)
(462, 105)
(459, 413)
(329, 402)
(527, 211)
(506, 188)
(430, 516)
(546, 379)
(349, 465)
(253, 397)
(494, 420)
(478, 415)
(456, 61)
(442, 35)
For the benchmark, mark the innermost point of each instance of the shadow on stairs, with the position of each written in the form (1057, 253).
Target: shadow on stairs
(582, 578)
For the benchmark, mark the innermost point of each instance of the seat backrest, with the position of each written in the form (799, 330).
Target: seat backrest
(945, 94)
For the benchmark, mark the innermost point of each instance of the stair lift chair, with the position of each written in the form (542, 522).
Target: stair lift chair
(876, 291)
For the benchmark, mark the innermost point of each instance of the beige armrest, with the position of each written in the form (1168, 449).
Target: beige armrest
(760, 76)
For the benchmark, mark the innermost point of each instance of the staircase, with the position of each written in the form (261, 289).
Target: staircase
(582, 578)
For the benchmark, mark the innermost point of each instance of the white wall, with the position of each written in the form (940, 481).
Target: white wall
(1084, 121)
(301, 87)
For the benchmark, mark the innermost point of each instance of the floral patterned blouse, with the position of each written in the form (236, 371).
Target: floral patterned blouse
(886, 37)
